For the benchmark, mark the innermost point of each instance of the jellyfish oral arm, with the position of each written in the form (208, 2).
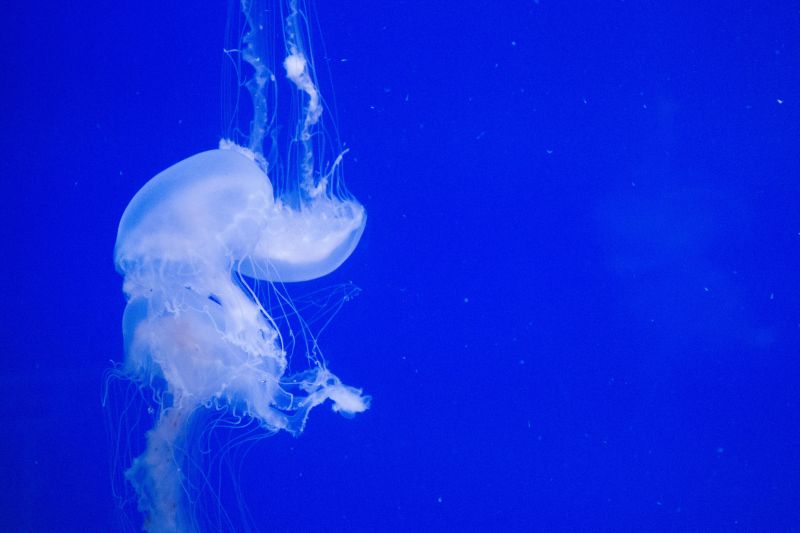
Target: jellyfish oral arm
(348, 400)
(296, 71)
(156, 477)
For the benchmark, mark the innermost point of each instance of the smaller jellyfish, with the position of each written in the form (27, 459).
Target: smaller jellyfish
(190, 245)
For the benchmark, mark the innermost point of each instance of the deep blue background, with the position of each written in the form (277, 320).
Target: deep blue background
(581, 298)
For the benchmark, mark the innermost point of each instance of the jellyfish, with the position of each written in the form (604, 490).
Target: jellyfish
(196, 238)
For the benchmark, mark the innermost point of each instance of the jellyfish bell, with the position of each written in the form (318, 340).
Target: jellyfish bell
(219, 204)
(210, 205)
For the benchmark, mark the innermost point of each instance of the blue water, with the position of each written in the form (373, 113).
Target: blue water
(580, 305)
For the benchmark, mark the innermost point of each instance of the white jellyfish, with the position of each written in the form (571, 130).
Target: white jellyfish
(197, 336)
